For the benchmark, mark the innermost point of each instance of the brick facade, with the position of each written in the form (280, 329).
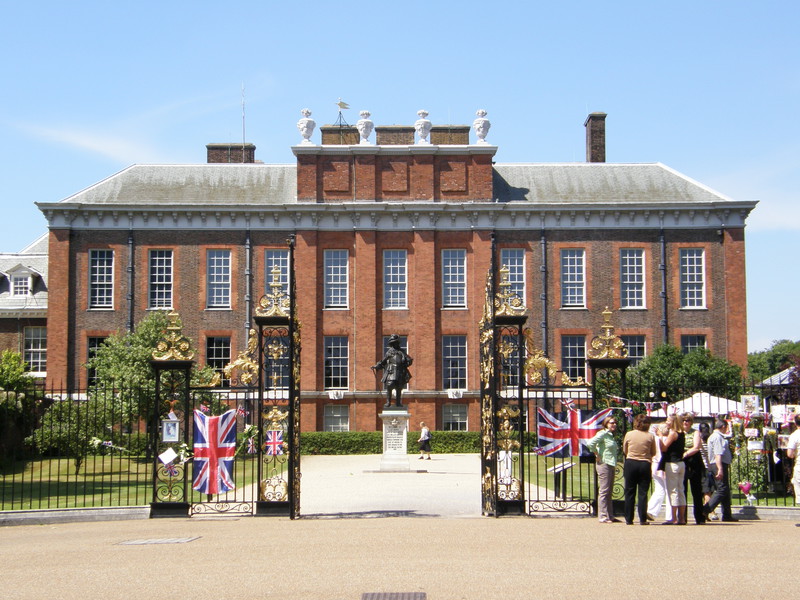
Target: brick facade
(421, 200)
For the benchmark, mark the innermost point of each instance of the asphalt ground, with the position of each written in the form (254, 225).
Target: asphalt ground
(363, 531)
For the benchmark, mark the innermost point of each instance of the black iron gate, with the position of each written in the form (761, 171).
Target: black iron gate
(518, 475)
(233, 451)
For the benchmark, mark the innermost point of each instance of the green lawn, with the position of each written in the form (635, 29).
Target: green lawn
(101, 481)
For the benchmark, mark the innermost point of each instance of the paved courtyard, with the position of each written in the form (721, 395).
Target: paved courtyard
(365, 531)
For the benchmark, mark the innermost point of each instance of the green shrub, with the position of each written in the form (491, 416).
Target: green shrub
(341, 442)
(371, 442)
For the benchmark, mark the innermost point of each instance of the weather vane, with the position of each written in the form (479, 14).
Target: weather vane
(340, 120)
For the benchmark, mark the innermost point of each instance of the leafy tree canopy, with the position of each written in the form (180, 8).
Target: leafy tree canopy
(13, 376)
(781, 355)
(670, 371)
(123, 361)
(125, 357)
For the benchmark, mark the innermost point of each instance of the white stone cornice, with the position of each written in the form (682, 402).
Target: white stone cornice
(395, 150)
(401, 216)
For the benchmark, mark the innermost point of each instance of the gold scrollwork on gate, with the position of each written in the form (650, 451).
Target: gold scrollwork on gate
(173, 345)
(277, 302)
(607, 345)
(536, 361)
(246, 362)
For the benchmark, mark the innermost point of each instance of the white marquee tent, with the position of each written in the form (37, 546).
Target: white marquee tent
(702, 404)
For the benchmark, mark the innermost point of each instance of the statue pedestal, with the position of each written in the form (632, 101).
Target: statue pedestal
(395, 440)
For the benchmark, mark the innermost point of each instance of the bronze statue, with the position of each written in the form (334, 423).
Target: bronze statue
(395, 371)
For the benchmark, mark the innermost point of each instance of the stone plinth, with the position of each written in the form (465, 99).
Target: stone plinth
(395, 440)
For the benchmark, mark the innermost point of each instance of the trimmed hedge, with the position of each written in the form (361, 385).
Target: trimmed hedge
(371, 442)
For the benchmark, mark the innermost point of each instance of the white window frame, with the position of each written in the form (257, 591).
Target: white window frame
(632, 280)
(686, 347)
(336, 356)
(276, 257)
(638, 356)
(514, 260)
(337, 278)
(101, 278)
(573, 356)
(160, 267)
(454, 278)
(395, 279)
(454, 358)
(573, 278)
(218, 355)
(93, 342)
(693, 278)
(455, 417)
(218, 278)
(21, 286)
(35, 349)
(336, 417)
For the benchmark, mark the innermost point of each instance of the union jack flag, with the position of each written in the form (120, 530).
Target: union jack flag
(567, 437)
(214, 449)
(274, 444)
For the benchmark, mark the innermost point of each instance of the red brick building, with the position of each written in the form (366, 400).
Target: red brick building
(395, 237)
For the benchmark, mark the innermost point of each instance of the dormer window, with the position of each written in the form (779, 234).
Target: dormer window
(21, 280)
(20, 285)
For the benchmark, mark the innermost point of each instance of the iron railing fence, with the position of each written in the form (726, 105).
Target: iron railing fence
(761, 419)
(97, 448)
(63, 449)
(66, 450)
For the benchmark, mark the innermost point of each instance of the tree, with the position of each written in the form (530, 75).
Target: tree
(69, 427)
(13, 376)
(671, 372)
(17, 402)
(122, 362)
(776, 358)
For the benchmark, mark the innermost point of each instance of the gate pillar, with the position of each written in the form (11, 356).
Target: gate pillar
(607, 355)
(172, 360)
(502, 347)
(279, 398)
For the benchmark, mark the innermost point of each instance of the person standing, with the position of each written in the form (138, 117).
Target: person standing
(638, 448)
(424, 441)
(793, 451)
(659, 498)
(674, 467)
(605, 449)
(719, 461)
(695, 469)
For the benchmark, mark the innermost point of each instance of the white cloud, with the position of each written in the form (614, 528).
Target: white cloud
(117, 146)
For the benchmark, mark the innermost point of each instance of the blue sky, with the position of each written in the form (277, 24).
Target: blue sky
(708, 88)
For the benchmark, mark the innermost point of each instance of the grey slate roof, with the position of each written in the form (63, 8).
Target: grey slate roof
(249, 184)
(259, 184)
(588, 183)
(34, 257)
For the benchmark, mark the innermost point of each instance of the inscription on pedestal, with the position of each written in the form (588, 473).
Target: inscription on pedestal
(395, 432)
(395, 440)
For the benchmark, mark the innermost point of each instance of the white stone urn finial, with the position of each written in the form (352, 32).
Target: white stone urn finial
(364, 126)
(423, 127)
(481, 126)
(306, 126)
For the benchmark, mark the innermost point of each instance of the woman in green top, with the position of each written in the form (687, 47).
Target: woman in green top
(606, 450)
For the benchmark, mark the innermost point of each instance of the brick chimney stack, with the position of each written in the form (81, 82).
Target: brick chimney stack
(596, 137)
(231, 153)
